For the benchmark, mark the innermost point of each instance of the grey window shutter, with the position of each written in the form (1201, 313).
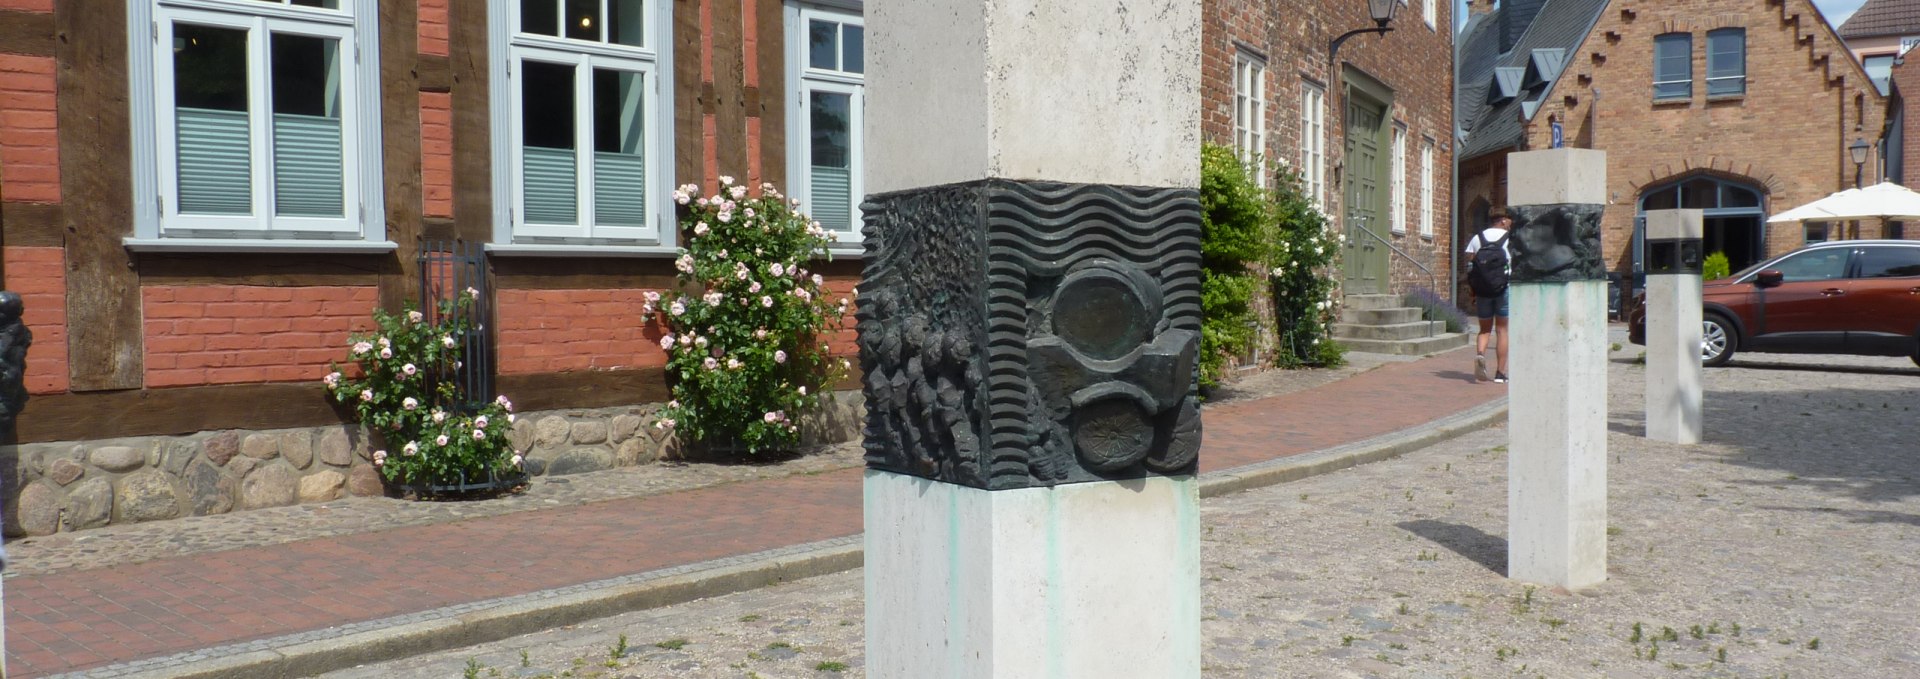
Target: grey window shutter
(832, 199)
(619, 189)
(307, 174)
(552, 183)
(215, 163)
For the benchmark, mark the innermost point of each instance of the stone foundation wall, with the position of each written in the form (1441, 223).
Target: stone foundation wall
(69, 486)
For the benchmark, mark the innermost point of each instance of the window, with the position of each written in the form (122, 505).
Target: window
(580, 147)
(1426, 188)
(1432, 11)
(826, 67)
(1889, 262)
(1815, 232)
(1880, 70)
(1896, 230)
(1726, 62)
(1250, 113)
(1673, 66)
(1825, 264)
(1313, 142)
(1398, 214)
(262, 118)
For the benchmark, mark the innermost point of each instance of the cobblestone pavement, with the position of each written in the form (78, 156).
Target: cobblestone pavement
(135, 543)
(1788, 545)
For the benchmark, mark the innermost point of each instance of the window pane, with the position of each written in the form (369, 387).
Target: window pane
(583, 20)
(1672, 65)
(852, 48)
(619, 145)
(540, 17)
(822, 44)
(1879, 69)
(307, 140)
(1734, 196)
(1700, 194)
(832, 169)
(1664, 199)
(1823, 265)
(1726, 53)
(547, 129)
(1889, 262)
(215, 161)
(627, 22)
(325, 4)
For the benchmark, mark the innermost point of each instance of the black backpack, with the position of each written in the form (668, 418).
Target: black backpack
(1487, 276)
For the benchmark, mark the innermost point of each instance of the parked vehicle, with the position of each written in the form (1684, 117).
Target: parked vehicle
(1857, 297)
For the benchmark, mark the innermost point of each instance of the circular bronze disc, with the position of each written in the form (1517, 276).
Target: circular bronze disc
(1112, 434)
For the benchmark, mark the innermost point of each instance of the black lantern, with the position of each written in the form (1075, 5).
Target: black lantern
(1382, 10)
(1858, 150)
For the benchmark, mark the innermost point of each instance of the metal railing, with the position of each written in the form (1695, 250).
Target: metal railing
(447, 270)
(1433, 281)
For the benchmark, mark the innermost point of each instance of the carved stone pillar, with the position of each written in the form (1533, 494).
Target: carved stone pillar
(1029, 323)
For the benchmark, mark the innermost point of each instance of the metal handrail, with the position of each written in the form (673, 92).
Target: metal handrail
(1433, 281)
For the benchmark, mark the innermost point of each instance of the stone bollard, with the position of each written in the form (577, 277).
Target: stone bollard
(1029, 322)
(1673, 329)
(1557, 417)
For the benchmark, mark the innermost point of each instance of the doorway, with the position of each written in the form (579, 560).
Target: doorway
(1364, 262)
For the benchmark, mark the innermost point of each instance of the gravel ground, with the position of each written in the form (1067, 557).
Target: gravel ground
(1786, 546)
(135, 543)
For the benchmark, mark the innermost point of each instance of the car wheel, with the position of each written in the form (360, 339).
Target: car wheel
(1718, 340)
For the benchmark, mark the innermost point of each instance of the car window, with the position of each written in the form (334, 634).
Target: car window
(1889, 262)
(1824, 264)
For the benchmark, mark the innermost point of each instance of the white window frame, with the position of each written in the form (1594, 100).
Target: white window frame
(1399, 193)
(1250, 112)
(1313, 141)
(1426, 187)
(802, 80)
(158, 226)
(508, 49)
(1431, 8)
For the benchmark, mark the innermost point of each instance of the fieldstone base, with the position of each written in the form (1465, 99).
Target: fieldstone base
(76, 485)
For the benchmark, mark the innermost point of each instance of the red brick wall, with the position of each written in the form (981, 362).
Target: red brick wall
(433, 27)
(544, 331)
(1906, 78)
(436, 153)
(1292, 35)
(39, 275)
(230, 334)
(27, 5)
(29, 139)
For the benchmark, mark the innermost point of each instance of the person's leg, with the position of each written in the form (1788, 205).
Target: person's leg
(1500, 349)
(1483, 311)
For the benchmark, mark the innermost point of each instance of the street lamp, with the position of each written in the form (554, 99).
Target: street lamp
(1859, 151)
(1382, 13)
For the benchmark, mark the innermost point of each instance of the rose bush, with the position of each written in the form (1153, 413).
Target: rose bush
(405, 396)
(744, 333)
(1304, 277)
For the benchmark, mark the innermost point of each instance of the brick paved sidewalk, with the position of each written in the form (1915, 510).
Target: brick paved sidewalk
(79, 619)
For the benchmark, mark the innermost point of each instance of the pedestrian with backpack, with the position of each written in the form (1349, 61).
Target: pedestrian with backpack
(1489, 264)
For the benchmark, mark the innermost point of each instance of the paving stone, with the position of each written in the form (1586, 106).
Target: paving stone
(117, 458)
(208, 490)
(260, 446)
(222, 446)
(322, 487)
(624, 427)
(38, 511)
(589, 432)
(146, 496)
(552, 431)
(64, 471)
(273, 485)
(580, 461)
(364, 481)
(297, 447)
(336, 448)
(90, 504)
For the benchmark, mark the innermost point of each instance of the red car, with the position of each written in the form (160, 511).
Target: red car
(1857, 297)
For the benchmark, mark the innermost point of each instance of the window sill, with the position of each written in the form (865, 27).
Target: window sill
(1737, 96)
(261, 245)
(1670, 101)
(528, 250)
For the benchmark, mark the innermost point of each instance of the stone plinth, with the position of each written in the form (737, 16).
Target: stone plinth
(1673, 326)
(1557, 459)
(1079, 580)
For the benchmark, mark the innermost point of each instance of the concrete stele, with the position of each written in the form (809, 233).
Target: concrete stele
(1557, 420)
(1673, 337)
(1079, 580)
(1087, 92)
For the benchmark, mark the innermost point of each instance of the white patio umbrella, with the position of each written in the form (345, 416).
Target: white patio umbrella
(1885, 200)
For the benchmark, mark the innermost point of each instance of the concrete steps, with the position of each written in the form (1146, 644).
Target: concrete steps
(1383, 324)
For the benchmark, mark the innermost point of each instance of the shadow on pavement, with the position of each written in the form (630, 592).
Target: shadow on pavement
(1478, 546)
(1846, 441)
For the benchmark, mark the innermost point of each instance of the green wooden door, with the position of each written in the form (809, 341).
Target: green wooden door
(1364, 265)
